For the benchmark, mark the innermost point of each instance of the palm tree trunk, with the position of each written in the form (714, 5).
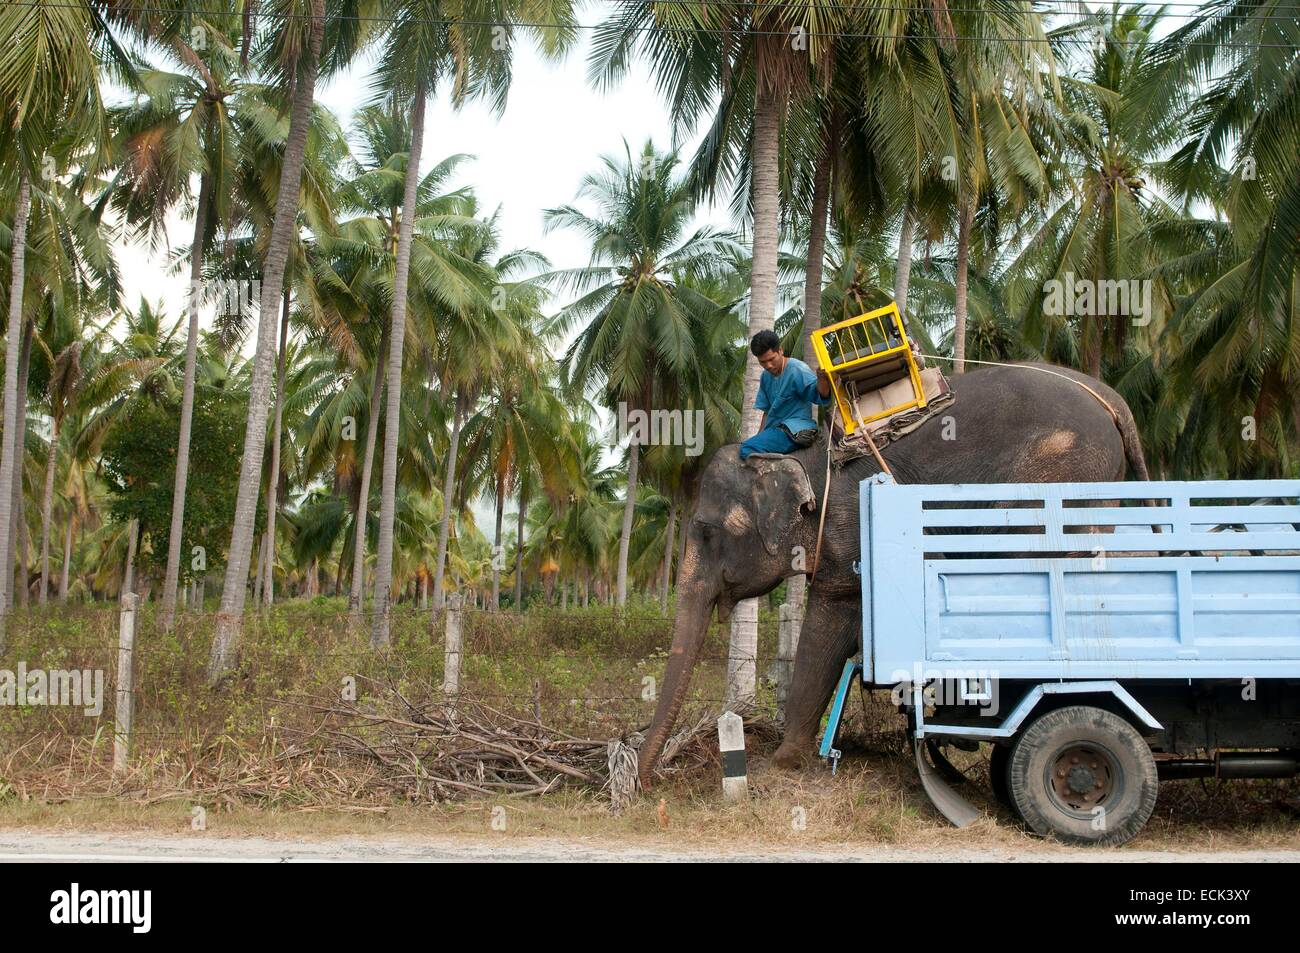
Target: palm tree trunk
(496, 543)
(903, 268)
(796, 585)
(18, 530)
(273, 477)
(681, 537)
(796, 591)
(1092, 346)
(812, 287)
(519, 549)
(67, 557)
(396, 343)
(171, 576)
(358, 581)
(47, 504)
(629, 511)
(448, 492)
(668, 555)
(257, 570)
(763, 275)
(225, 643)
(959, 305)
(10, 448)
(742, 661)
(128, 576)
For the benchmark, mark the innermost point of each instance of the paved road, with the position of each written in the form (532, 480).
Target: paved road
(39, 846)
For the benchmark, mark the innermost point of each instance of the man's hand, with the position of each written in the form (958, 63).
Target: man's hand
(823, 382)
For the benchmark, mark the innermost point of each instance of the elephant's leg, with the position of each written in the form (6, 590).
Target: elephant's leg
(828, 638)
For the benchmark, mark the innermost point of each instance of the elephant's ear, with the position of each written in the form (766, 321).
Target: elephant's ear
(780, 492)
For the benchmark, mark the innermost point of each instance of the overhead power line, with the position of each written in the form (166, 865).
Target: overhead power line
(708, 31)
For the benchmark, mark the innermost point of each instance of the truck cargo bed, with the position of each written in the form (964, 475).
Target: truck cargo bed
(1081, 580)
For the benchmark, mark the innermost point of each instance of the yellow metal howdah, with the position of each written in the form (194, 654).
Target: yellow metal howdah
(864, 354)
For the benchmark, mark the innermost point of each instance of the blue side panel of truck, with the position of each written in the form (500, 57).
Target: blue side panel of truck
(1059, 581)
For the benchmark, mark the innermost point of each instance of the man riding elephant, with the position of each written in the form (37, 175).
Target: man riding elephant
(786, 392)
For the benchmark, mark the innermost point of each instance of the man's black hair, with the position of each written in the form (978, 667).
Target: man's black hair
(764, 341)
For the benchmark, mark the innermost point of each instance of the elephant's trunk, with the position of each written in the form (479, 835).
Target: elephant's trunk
(694, 608)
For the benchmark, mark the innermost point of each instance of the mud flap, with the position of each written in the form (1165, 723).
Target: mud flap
(827, 750)
(949, 803)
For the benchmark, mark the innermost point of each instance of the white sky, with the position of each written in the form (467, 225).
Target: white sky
(554, 130)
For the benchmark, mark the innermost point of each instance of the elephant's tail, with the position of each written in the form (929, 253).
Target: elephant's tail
(1128, 432)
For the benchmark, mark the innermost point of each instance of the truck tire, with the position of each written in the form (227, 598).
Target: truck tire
(999, 760)
(1084, 776)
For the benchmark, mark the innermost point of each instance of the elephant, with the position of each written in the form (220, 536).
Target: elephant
(1009, 424)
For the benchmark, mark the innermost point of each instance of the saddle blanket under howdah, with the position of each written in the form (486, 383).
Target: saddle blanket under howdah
(886, 430)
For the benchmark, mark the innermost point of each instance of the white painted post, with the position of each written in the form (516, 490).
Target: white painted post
(731, 743)
(125, 683)
(452, 645)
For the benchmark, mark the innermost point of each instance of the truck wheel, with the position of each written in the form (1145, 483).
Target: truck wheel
(1083, 775)
(999, 760)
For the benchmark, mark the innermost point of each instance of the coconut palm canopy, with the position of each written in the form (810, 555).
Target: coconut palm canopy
(402, 406)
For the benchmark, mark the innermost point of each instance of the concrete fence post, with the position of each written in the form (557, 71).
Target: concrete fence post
(787, 643)
(125, 683)
(731, 743)
(452, 645)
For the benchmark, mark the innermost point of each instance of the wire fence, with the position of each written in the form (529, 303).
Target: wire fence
(596, 669)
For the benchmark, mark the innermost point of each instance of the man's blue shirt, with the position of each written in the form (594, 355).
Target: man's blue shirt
(786, 397)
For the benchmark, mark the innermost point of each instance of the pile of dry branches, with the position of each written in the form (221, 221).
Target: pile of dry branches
(447, 750)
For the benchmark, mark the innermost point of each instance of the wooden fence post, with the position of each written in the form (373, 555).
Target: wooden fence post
(731, 743)
(125, 683)
(452, 645)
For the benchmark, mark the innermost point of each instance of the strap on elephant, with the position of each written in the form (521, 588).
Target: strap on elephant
(826, 495)
(1114, 414)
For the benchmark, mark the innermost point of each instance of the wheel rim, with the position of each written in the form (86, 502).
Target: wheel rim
(1082, 777)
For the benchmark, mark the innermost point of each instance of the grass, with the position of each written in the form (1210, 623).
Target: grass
(582, 670)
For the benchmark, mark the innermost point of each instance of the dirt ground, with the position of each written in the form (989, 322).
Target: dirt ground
(41, 846)
(872, 810)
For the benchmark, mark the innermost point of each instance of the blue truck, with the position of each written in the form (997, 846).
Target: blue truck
(1100, 636)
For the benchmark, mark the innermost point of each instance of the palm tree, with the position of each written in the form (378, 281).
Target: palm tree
(299, 48)
(587, 521)
(637, 339)
(362, 273)
(63, 387)
(422, 44)
(1230, 73)
(520, 441)
(49, 86)
(182, 124)
(985, 118)
(476, 348)
(1100, 228)
(259, 169)
(758, 63)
